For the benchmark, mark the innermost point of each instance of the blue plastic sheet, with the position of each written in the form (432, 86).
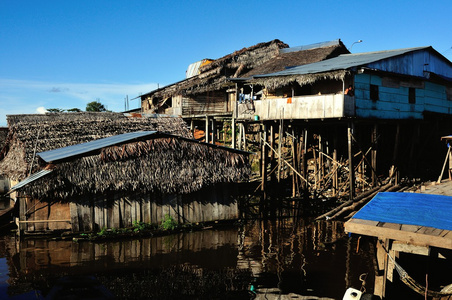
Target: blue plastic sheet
(409, 208)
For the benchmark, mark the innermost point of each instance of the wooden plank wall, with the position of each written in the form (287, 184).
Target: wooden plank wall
(209, 103)
(393, 98)
(120, 211)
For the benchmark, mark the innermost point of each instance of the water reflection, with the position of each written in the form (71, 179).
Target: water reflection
(271, 258)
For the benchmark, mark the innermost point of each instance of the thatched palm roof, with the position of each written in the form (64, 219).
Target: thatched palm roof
(160, 163)
(29, 134)
(213, 76)
(299, 56)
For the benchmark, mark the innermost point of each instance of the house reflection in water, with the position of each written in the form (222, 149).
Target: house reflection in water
(270, 257)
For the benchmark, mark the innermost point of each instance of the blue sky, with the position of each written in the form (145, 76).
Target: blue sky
(64, 54)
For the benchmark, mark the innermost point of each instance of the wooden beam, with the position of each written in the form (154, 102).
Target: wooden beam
(368, 228)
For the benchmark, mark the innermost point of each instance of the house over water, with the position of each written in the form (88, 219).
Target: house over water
(388, 125)
(206, 98)
(105, 170)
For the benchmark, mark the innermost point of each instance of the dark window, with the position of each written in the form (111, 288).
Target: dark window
(412, 95)
(374, 95)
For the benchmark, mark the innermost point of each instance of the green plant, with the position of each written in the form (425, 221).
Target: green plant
(168, 223)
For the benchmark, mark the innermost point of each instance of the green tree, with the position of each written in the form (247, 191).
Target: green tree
(95, 106)
(74, 110)
(55, 110)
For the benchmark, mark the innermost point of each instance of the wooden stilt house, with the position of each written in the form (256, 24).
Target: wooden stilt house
(336, 139)
(206, 99)
(114, 181)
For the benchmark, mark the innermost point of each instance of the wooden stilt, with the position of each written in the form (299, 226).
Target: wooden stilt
(264, 155)
(207, 130)
(294, 158)
(335, 166)
(394, 170)
(373, 154)
(233, 134)
(303, 158)
(214, 130)
(350, 161)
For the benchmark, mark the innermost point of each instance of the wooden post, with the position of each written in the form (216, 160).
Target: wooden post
(382, 263)
(214, 130)
(335, 168)
(374, 154)
(394, 168)
(295, 164)
(207, 130)
(233, 135)
(280, 135)
(272, 153)
(303, 158)
(264, 155)
(350, 161)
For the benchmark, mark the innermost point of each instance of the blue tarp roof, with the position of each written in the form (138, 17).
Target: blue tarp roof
(409, 208)
(80, 149)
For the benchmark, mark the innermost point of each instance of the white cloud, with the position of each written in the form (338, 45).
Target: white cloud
(27, 96)
(41, 110)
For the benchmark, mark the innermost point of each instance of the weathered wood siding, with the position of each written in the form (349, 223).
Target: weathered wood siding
(42, 216)
(116, 211)
(393, 102)
(207, 103)
(299, 107)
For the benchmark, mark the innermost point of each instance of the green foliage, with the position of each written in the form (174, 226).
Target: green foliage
(168, 223)
(74, 110)
(95, 106)
(141, 226)
(55, 110)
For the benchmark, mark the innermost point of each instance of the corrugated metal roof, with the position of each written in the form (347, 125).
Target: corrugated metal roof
(342, 62)
(85, 148)
(29, 179)
(311, 46)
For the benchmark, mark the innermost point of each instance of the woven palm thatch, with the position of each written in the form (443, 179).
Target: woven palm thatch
(30, 134)
(297, 58)
(280, 81)
(162, 164)
(213, 76)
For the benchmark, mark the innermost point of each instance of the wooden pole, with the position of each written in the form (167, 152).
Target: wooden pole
(294, 158)
(374, 154)
(214, 130)
(350, 161)
(394, 168)
(335, 168)
(264, 155)
(233, 134)
(207, 129)
(303, 158)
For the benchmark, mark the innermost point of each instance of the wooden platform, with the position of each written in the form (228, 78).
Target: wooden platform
(411, 234)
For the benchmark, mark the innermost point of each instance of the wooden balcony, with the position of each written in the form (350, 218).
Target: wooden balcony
(300, 107)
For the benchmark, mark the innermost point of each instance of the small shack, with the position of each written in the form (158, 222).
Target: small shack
(411, 223)
(108, 174)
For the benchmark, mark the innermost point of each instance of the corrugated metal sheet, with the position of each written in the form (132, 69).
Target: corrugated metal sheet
(80, 149)
(311, 46)
(29, 179)
(342, 62)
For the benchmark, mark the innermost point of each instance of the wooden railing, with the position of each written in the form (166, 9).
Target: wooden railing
(300, 107)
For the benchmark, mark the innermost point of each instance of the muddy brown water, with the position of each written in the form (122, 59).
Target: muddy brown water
(262, 260)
